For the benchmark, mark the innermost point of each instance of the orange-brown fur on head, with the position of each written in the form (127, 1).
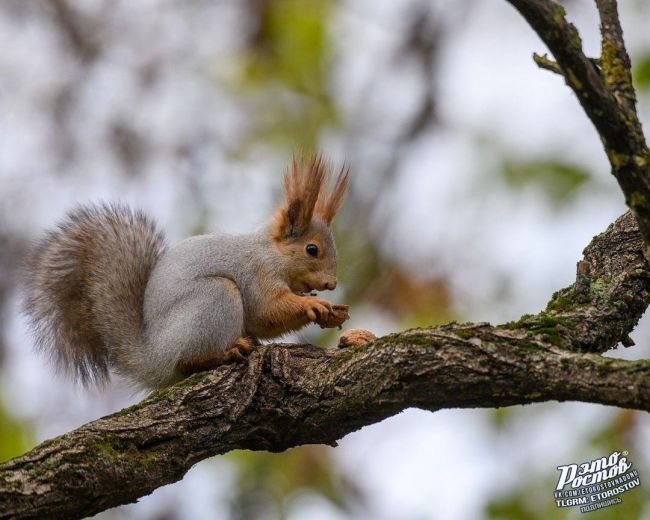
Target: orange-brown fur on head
(306, 196)
(304, 221)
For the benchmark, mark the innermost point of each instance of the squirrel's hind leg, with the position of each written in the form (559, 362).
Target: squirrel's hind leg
(210, 326)
(236, 353)
(240, 349)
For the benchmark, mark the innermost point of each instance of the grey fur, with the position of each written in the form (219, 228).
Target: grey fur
(85, 287)
(195, 300)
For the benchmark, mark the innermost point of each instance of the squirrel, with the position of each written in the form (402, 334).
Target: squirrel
(105, 292)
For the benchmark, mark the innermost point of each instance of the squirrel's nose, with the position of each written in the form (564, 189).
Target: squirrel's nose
(330, 285)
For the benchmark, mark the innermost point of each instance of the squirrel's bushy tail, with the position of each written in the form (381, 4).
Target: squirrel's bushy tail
(85, 288)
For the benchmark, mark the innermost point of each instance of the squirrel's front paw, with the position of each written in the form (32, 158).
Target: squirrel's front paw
(336, 317)
(340, 314)
(324, 313)
(317, 308)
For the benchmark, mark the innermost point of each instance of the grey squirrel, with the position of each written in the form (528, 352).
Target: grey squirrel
(104, 291)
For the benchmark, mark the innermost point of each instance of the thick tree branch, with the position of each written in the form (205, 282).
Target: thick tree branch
(287, 395)
(610, 294)
(605, 93)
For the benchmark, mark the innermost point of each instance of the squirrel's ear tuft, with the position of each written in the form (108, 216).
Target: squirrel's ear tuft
(328, 204)
(303, 182)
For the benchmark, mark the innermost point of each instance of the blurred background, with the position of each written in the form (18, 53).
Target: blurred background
(477, 182)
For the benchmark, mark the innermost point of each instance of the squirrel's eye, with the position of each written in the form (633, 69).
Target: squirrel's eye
(312, 249)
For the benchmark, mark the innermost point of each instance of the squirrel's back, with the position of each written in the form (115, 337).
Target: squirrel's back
(86, 286)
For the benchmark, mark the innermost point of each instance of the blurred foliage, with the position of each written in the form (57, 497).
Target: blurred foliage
(416, 300)
(290, 43)
(500, 417)
(284, 71)
(266, 483)
(641, 72)
(534, 499)
(374, 279)
(558, 181)
(15, 436)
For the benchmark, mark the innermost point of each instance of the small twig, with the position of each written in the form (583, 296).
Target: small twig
(544, 62)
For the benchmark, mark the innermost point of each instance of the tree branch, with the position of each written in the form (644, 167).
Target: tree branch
(544, 62)
(610, 294)
(616, 66)
(287, 395)
(606, 94)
